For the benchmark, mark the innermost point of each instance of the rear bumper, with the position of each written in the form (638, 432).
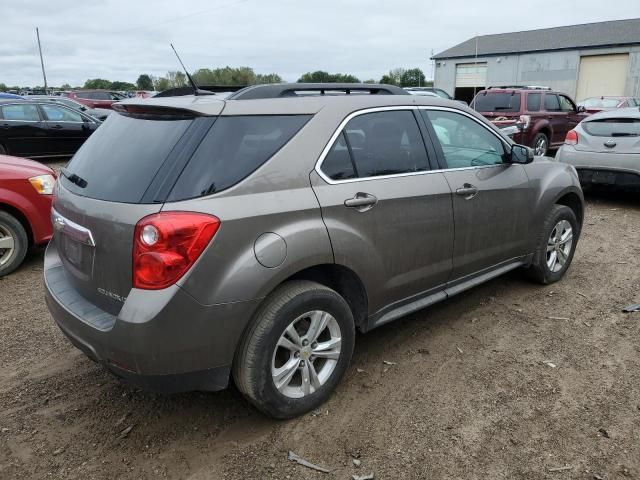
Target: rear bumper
(594, 168)
(164, 341)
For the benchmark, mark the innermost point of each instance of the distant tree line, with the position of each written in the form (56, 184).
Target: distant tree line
(413, 77)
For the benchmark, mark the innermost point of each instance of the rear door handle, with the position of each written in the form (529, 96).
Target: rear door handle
(467, 191)
(57, 127)
(361, 202)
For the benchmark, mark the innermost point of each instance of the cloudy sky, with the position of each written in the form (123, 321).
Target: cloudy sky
(120, 39)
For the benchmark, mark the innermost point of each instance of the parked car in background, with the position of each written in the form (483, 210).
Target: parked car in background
(95, 98)
(424, 93)
(37, 129)
(10, 96)
(598, 104)
(163, 269)
(99, 113)
(438, 91)
(26, 189)
(543, 116)
(144, 93)
(605, 149)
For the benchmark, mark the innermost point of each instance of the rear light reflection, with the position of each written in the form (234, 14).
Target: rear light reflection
(167, 244)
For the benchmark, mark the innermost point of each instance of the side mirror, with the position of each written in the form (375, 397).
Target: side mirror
(581, 109)
(521, 154)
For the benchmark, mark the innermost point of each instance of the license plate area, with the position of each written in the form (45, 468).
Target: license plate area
(604, 178)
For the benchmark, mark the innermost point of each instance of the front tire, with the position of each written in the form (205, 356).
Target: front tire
(556, 245)
(13, 243)
(296, 350)
(540, 145)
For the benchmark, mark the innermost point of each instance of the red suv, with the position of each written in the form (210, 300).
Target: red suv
(542, 116)
(95, 98)
(26, 189)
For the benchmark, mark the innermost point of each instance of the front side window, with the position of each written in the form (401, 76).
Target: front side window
(381, 143)
(465, 143)
(566, 105)
(551, 103)
(21, 112)
(55, 113)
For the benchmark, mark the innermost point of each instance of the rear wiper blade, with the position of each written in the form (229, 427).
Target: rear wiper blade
(73, 178)
(624, 134)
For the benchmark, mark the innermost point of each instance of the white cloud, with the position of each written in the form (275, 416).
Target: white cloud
(118, 39)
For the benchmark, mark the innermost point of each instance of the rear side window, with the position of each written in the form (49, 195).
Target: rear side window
(338, 164)
(56, 113)
(533, 102)
(122, 157)
(233, 149)
(551, 103)
(613, 127)
(21, 112)
(497, 102)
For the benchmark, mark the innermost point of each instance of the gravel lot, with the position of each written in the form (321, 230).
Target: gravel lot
(469, 394)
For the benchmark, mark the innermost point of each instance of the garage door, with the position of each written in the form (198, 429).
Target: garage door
(471, 75)
(602, 75)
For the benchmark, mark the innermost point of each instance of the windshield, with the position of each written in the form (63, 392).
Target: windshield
(497, 102)
(598, 102)
(613, 127)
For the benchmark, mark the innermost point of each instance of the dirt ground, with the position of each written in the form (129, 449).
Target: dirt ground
(508, 381)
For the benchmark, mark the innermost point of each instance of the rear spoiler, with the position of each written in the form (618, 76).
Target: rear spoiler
(155, 112)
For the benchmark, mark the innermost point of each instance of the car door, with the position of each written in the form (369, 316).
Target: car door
(22, 131)
(570, 109)
(389, 217)
(491, 198)
(557, 118)
(66, 129)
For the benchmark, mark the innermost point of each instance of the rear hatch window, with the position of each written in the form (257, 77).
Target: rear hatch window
(119, 161)
(136, 160)
(497, 102)
(613, 127)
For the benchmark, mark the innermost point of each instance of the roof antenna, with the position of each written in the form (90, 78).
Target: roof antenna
(196, 90)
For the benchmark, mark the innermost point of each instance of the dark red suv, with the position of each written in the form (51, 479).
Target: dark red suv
(95, 98)
(542, 116)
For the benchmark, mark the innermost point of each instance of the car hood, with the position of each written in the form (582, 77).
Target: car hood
(15, 167)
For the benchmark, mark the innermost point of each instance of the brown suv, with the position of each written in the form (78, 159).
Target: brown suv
(542, 116)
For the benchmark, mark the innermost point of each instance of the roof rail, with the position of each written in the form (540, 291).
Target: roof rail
(521, 87)
(295, 89)
(182, 91)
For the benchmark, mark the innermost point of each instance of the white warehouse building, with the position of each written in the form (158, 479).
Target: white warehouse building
(596, 59)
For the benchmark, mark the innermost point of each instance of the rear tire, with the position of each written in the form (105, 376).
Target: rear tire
(14, 237)
(282, 366)
(540, 145)
(557, 242)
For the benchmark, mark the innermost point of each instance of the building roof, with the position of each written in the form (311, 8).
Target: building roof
(589, 35)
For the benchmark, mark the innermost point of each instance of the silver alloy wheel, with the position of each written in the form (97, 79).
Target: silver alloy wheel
(559, 246)
(306, 354)
(7, 245)
(541, 146)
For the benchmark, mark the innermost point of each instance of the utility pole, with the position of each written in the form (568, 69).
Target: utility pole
(44, 75)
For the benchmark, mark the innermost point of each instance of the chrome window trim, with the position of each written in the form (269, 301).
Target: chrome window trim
(357, 113)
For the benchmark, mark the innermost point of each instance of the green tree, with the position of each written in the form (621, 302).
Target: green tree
(161, 83)
(321, 76)
(122, 86)
(414, 77)
(177, 79)
(97, 83)
(394, 77)
(65, 86)
(371, 80)
(3, 87)
(144, 82)
(268, 78)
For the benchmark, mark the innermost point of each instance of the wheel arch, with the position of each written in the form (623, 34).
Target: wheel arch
(21, 217)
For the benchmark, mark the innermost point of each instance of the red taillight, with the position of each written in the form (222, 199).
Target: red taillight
(572, 138)
(166, 245)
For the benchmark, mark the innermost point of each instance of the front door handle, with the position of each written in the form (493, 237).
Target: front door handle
(361, 202)
(467, 191)
(57, 127)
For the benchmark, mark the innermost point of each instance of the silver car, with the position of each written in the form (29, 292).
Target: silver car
(198, 239)
(605, 149)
